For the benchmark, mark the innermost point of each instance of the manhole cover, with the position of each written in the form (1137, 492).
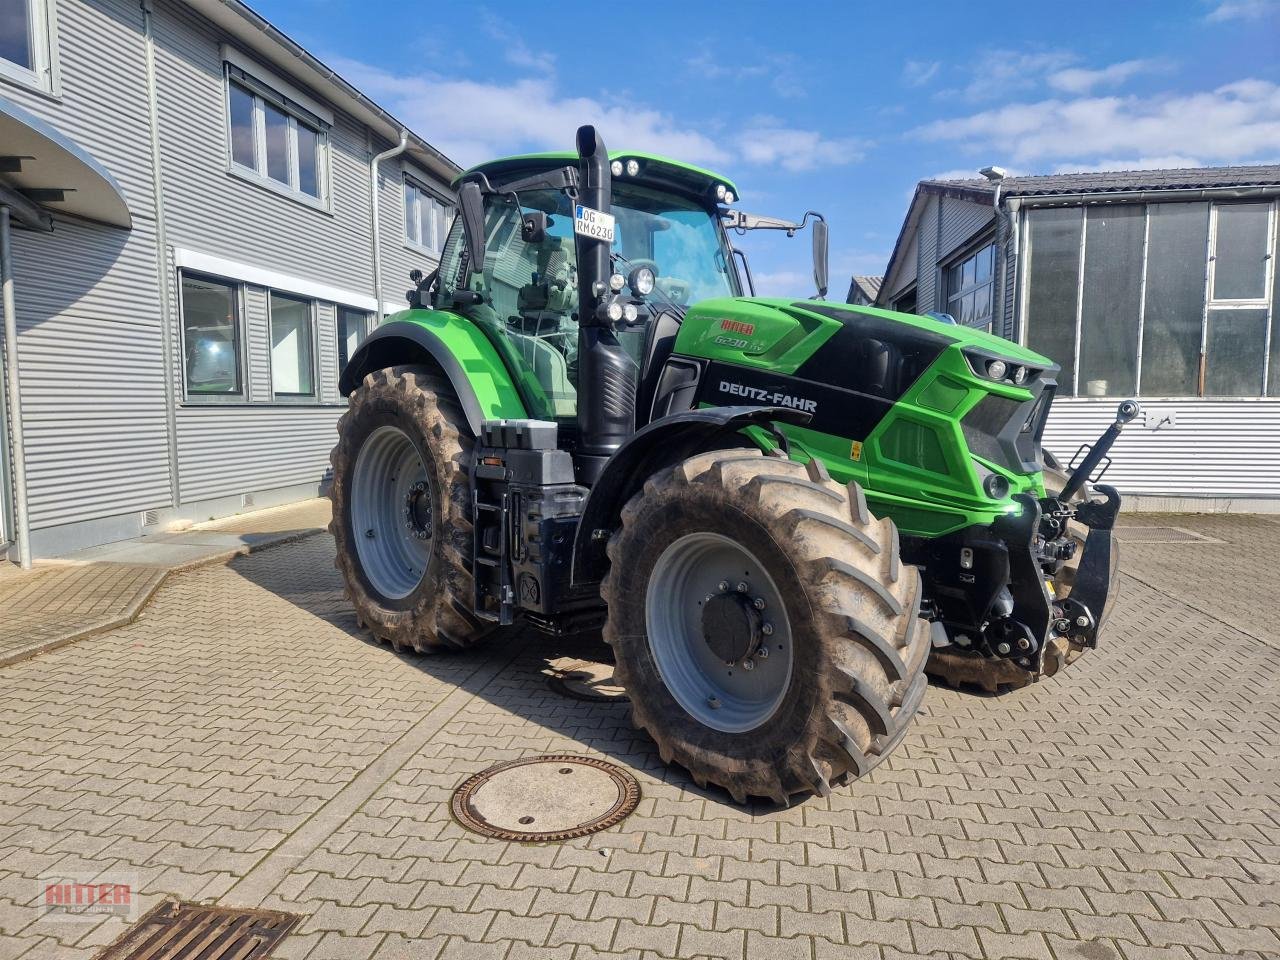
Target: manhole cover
(1134, 534)
(539, 799)
(187, 931)
(586, 680)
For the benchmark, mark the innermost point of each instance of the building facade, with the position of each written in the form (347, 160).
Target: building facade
(1158, 284)
(205, 221)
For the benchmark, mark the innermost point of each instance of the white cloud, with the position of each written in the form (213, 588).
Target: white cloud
(785, 283)
(778, 68)
(1168, 162)
(916, 73)
(472, 121)
(769, 142)
(1241, 10)
(1080, 80)
(514, 50)
(1238, 122)
(999, 73)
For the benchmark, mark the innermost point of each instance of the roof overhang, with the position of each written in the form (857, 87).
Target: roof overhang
(53, 174)
(260, 38)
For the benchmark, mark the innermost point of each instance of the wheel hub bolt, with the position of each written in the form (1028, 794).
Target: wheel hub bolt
(742, 587)
(758, 603)
(763, 653)
(1003, 649)
(1082, 621)
(1024, 643)
(766, 629)
(748, 664)
(1063, 625)
(722, 586)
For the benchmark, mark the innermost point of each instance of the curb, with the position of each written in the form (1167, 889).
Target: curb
(139, 603)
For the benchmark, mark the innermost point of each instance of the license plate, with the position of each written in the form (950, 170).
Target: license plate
(593, 223)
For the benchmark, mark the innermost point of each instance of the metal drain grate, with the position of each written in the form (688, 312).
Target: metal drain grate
(188, 931)
(1161, 535)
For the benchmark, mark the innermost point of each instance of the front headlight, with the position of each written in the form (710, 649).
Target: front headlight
(996, 369)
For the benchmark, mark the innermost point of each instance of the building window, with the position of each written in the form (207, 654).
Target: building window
(426, 218)
(274, 141)
(970, 288)
(1189, 288)
(353, 327)
(292, 356)
(24, 42)
(211, 337)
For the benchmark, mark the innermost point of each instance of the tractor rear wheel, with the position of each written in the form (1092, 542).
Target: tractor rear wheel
(765, 630)
(400, 510)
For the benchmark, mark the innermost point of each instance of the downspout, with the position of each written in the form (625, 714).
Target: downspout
(376, 234)
(162, 257)
(22, 517)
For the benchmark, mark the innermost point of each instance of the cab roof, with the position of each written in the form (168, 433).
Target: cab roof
(655, 170)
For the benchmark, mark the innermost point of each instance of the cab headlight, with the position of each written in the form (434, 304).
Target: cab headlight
(615, 168)
(642, 281)
(633, 168)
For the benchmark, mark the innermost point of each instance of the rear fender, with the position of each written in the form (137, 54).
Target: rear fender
(455, 344)
(659, 445)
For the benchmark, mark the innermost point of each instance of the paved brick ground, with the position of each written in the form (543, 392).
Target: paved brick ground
(240, 743)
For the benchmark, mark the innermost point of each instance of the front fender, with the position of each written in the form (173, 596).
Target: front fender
(661, 444)
(459, 347)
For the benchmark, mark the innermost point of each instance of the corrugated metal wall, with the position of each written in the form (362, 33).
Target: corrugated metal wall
(1215, 448)
(89, 313)
(961, 220)
(398, 259)
(927, 257)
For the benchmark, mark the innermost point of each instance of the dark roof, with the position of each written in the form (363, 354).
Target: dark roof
(1113, 181)
(870, 286)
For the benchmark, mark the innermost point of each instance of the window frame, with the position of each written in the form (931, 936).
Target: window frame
(263, 94)
(1209, 305)
(243, 395)
(366, 328)
(421, 190)
(971, 251)
(42, 76)
(313, 305)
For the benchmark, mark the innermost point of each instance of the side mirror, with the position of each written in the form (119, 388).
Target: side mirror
(820, 256)
(533, 228)
(471, 200)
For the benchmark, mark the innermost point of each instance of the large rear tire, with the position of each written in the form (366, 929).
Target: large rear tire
(730, 553)
(401, 520)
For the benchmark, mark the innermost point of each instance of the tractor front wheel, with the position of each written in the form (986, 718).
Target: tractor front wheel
(400, 510)
(764, 628)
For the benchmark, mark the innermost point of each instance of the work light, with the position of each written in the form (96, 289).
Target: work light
(642, 281)
(720, 191)
(633, 167)
(1020, 375)
(616, 168)
(616, 282)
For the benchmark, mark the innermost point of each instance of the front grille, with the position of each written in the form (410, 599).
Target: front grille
(1007, 432)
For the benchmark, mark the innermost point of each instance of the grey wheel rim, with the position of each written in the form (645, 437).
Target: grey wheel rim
(393, 515)
(726, 696)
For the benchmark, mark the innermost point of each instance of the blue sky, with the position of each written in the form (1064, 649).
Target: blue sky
(835, 107)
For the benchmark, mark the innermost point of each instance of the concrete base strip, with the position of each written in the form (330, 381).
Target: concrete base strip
(256, 885)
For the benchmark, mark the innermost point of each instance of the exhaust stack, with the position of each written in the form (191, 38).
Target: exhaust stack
(606, 374)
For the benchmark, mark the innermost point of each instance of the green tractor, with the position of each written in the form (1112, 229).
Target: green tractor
(779, 511)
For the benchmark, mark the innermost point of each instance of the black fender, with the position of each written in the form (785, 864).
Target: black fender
(402, 342)
(657, 446)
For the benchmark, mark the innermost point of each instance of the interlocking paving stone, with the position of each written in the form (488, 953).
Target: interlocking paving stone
(241, 742)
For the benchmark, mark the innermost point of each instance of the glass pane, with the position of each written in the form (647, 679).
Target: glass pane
(277, 144)
(1051, 288)
(1112, 297)
(1233, 354)
(291, 345)
(953, 280)
(210, 336)
(442, 225)
(966, 309)
(15, 33)
(425, 210)
(983, 264)
(308, 161)
(982, 306)
(968, 274)
(351, 331)
(1240, 266)
(1177, 242)
(410, 214)
(241, 126)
